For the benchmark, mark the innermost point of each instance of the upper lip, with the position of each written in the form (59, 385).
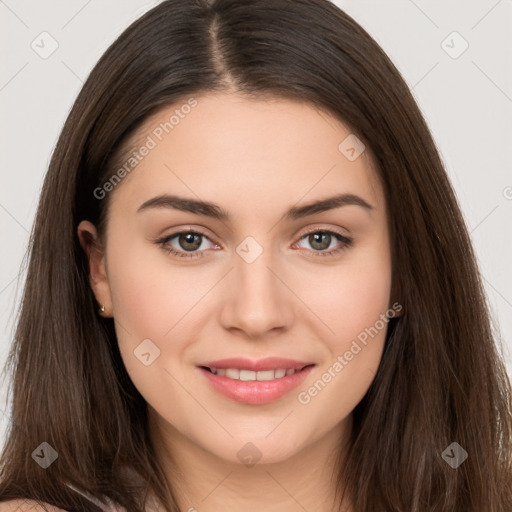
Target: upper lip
(268, 363)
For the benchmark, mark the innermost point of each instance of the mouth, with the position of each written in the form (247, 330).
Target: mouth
(255, 382)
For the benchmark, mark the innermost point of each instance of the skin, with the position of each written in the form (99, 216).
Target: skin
(255, 159)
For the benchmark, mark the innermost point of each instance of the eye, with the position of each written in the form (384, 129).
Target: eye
(189, 243)
(321, 239)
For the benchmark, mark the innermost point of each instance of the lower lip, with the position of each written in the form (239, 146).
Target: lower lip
(256, 392)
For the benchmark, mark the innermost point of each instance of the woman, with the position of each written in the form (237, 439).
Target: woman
(250, 284)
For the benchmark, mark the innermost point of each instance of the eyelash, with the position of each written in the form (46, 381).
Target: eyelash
(163, 242)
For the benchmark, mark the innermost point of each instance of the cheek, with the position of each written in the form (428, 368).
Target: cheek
(157, 301)
(148, 302)
(150, 296)
(351, 296)
(358, 318)
(353, 303)
(142, 304)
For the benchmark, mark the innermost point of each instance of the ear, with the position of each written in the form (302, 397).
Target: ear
(98, 279)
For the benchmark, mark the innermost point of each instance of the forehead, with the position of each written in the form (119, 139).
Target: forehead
(228, 147)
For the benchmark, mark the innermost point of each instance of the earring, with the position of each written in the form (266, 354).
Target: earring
(102, 309)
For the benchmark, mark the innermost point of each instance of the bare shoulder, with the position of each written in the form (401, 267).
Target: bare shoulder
(27, 506)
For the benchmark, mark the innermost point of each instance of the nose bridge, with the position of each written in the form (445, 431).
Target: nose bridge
(256, 297)
(252, 264)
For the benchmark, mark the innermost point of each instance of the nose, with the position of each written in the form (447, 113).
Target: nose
(258, 298)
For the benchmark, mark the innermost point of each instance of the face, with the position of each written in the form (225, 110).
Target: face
(189, 287)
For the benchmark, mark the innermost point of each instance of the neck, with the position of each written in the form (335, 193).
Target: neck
(305, 481)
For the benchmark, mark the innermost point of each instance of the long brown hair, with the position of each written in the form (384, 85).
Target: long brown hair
(441, 379)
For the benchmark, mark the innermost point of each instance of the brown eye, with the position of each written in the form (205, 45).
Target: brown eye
(321, 239)
(187, 245)
(189, 241)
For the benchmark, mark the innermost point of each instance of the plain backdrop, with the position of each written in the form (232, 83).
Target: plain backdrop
(455, 55)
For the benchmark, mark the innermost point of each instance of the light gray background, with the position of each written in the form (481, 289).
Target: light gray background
(467, 102)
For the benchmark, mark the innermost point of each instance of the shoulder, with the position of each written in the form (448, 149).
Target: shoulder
(27, 506)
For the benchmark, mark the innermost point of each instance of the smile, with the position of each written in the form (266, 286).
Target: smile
(263, 382)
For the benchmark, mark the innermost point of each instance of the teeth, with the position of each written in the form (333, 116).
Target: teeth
(248, 375)
(265, 375)
(232, 374)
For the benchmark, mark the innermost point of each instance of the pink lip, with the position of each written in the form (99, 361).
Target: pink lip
(255, 392)
(269, 363)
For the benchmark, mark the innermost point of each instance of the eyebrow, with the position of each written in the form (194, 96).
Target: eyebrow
(209, 209)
